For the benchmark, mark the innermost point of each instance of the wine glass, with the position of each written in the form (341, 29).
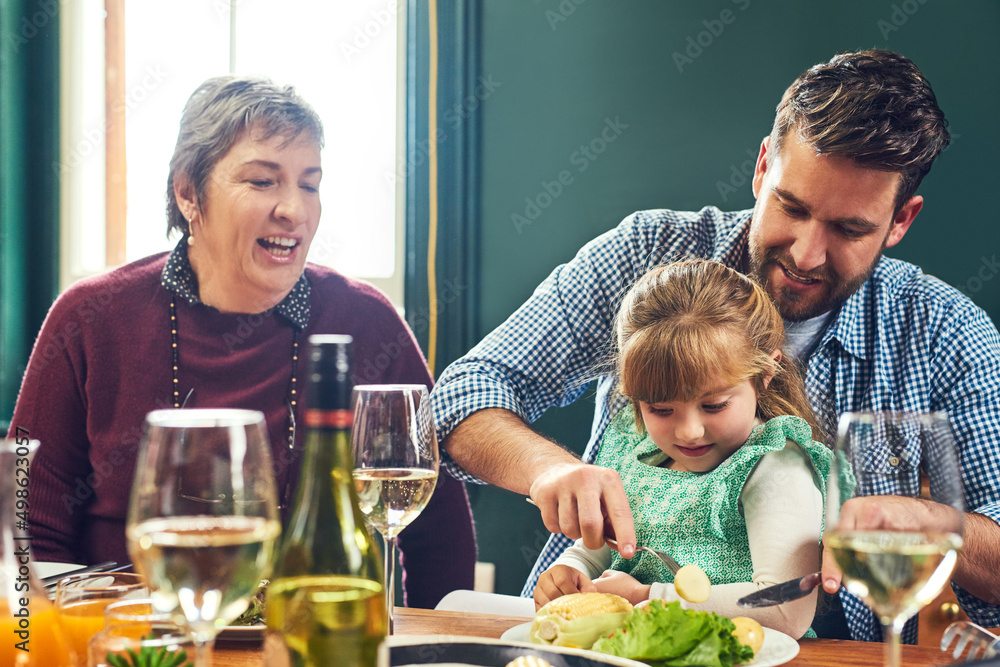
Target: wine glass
(81, 600)
(203, 516)
(395, 462)
(895, 554)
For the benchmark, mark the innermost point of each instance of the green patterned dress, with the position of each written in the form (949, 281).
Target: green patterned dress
(696, 517)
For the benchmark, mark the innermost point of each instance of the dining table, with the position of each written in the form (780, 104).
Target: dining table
(430, 622)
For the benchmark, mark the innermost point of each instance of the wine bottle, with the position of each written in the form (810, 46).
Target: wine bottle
(326, 596)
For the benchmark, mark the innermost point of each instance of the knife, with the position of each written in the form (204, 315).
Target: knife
(779, 593)
(102, 568)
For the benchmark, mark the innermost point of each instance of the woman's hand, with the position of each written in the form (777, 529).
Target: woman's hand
(622, 584)
(560, 580)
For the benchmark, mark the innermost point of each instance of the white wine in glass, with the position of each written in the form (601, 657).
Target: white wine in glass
(396, 462)
(392, 498)
(896, 555)
(203, 516)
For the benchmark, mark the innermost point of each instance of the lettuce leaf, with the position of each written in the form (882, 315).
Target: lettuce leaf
(665, 635)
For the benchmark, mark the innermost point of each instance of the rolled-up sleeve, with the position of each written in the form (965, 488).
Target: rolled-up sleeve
(556, 343)
(967, 364)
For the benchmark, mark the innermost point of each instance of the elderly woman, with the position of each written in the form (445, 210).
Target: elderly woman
(220, 321)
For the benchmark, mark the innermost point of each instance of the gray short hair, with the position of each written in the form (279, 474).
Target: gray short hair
(216, 116)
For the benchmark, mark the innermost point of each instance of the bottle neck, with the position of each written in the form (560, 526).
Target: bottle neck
(332, 448)
(327, 465)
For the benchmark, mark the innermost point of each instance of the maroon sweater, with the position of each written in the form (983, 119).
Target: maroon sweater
(103, 360)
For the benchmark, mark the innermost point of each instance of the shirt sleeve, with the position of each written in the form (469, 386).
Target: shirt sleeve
(552, 347)
(965, 359)
(592, 562)
(783, 509)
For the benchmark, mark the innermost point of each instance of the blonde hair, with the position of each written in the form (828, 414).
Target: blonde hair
(687, 328)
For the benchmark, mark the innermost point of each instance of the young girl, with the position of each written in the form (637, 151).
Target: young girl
(715, 451)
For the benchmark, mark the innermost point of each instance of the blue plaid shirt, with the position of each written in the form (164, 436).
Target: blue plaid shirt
(904, 341)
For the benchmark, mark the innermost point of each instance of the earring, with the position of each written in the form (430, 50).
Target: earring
(190, 221)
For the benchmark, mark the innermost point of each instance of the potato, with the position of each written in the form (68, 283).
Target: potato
(692, 584)
(749, 633)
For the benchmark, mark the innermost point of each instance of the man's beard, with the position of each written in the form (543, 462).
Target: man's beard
(789, 303)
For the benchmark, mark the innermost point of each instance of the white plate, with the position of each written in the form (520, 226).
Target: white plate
(778, 647)
(475, 652)
(45, 569)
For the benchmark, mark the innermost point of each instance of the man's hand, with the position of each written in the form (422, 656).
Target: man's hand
(575, 499)
(620, 583)
(896, 513)
(585, 501)
(560, 580)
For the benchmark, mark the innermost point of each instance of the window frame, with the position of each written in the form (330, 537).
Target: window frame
(77, 219)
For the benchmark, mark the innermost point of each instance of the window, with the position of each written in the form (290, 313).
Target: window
(346, 59)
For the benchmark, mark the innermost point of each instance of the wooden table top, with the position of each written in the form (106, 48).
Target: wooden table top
(814, 652)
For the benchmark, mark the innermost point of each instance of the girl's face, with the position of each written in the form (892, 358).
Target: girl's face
(698, 435)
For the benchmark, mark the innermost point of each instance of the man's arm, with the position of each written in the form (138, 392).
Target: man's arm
(575, 498)
(979, 562)
(965, 358)
(546, 354)
(980, 557)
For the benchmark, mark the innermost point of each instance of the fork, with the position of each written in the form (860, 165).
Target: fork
(981, 643)
(665, 558)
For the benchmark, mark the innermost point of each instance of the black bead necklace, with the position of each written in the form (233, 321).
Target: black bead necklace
(290, 401)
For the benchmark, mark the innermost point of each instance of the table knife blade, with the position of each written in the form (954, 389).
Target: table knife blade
(780, 593)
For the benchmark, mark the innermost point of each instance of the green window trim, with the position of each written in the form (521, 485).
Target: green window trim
(459, 98)
(29, 185)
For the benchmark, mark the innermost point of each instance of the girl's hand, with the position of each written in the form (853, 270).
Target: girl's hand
(560, 580)
(622, 584)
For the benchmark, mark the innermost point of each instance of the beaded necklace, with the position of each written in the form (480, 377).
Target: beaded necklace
(290, 401)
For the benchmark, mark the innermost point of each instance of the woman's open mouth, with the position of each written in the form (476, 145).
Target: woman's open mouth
(279, 246)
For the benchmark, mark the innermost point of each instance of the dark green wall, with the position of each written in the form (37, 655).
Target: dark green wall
(29, 186)
(557, 81)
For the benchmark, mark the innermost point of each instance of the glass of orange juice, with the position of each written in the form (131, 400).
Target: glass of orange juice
(80, 602)
(133, 627)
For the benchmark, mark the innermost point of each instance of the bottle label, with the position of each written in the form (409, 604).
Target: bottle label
(329, 418)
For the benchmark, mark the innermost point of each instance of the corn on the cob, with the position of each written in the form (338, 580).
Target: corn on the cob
(579, 605)
(579, 619)
(529, 661)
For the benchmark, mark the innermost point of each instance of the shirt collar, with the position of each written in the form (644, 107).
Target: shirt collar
(733, 247)
(854, 324)
(179, 278)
